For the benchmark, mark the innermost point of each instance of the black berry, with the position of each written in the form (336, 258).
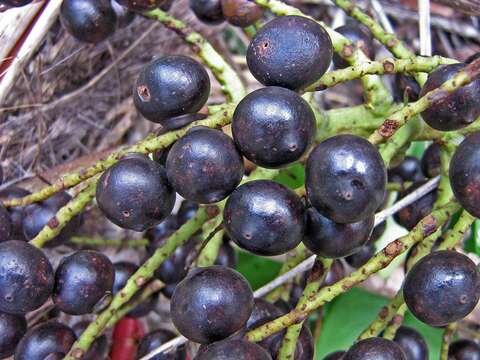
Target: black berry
(83, 281)
(143, 5)
(226, 255)
(273, 127)
(464, 174)
(412, 343)
(204, 166)
(410, 169)
(442, 287)
(49, 340)
(187, 210)
(264, 217)
(208, 11)
(328, 239)
(5, 224)
(135, 194)
(154, 340)
(431, 161)
(361, 39)
(26, 277)
(464, 350)
(262, 309)
(361, 257)
(88, 20)
(12, 329)
(171, 86)
(124, 16)
(290, 51)
(99, 348)
(16, 213)
(337, 355)
(459, 109)
(345, 178)
(406, 86)
(241, 13)
(204, 318)
(375, 349)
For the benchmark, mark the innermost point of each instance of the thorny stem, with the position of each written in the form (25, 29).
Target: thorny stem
(381, 260)
(232, 85)
(142, 276)
(316, 277)
(446, 339)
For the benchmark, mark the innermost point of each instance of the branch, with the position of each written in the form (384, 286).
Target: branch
(88, 241)
(395, 323)
(446, 338)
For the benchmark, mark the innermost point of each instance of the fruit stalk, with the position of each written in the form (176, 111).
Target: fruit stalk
(232, 85)
(464, 77)
(382, 259)
(456, 235)
(65, 214)
(446, 338)
(136, 282)
(149, 144)
(395, 323)
(84, 240)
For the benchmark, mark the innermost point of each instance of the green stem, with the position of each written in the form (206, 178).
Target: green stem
(381, 260)
(210, 253)
(232, 85)
(142, 276)
(146, 146)
(446, 339)
(74, 207)
(88, 241)
(445, 193)
(397, 120)
(456, 235)
(386, 66)
(395, 323)
(316, 278)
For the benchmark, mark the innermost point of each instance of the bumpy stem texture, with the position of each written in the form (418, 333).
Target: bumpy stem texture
(424, 228)
(142, 276)
(395, 323)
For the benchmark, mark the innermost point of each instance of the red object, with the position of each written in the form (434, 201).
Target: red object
(126, 336)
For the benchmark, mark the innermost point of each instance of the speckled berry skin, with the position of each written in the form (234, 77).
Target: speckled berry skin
(329, 239)
(442, 287)
(154, 340)
(464, 350)
(26, 277)
(45, 341)
(360, 38)
(290, 51)
(6, 227)
(241, 13)
(464, 174)
(89, 21)
(265, 218)
(204, 166)
(12, 329)
(459, 109)
(233, 350)
(208, 11)
(204, 318)
(171, 86)
(375, 349)
(412, 343)
(135, 193)
(82, 281)
(345, 178)
(273, 127)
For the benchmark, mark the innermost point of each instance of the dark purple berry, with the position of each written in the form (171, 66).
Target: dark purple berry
(412, 343)
(328, 239)
(204, 166)
(406, 86)
(464, 174)
(442, 287)
(16, 213)
(361, 39)
(208, 11)
(48, 339)
(99, 348)
(233, 350)
(16, 3)
(464, 350)
(159, 232)
(26, 277)
(171, 86)
(204, 318)
(241, 13)
(345, 178)
(361, 257)
(135, 194)
(408, 170)
(5, 225)
(88, 20)
(290, 51)
(124, 16)
(337, 355)
(12, 329)
(431, 161)
(262, 309)
(154, 340)
(375, 349)
(304, 349)
(459, 109)
(411, 215)
(83, 281)
(143, 5)
(187, 210)
(273, 127)
(168, 290)
(265, 218)
(226, 255)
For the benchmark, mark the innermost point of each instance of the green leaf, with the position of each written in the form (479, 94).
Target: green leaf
(258, 270)
(293, 176)
(472, 244)
(417, 149)
(349, 314)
